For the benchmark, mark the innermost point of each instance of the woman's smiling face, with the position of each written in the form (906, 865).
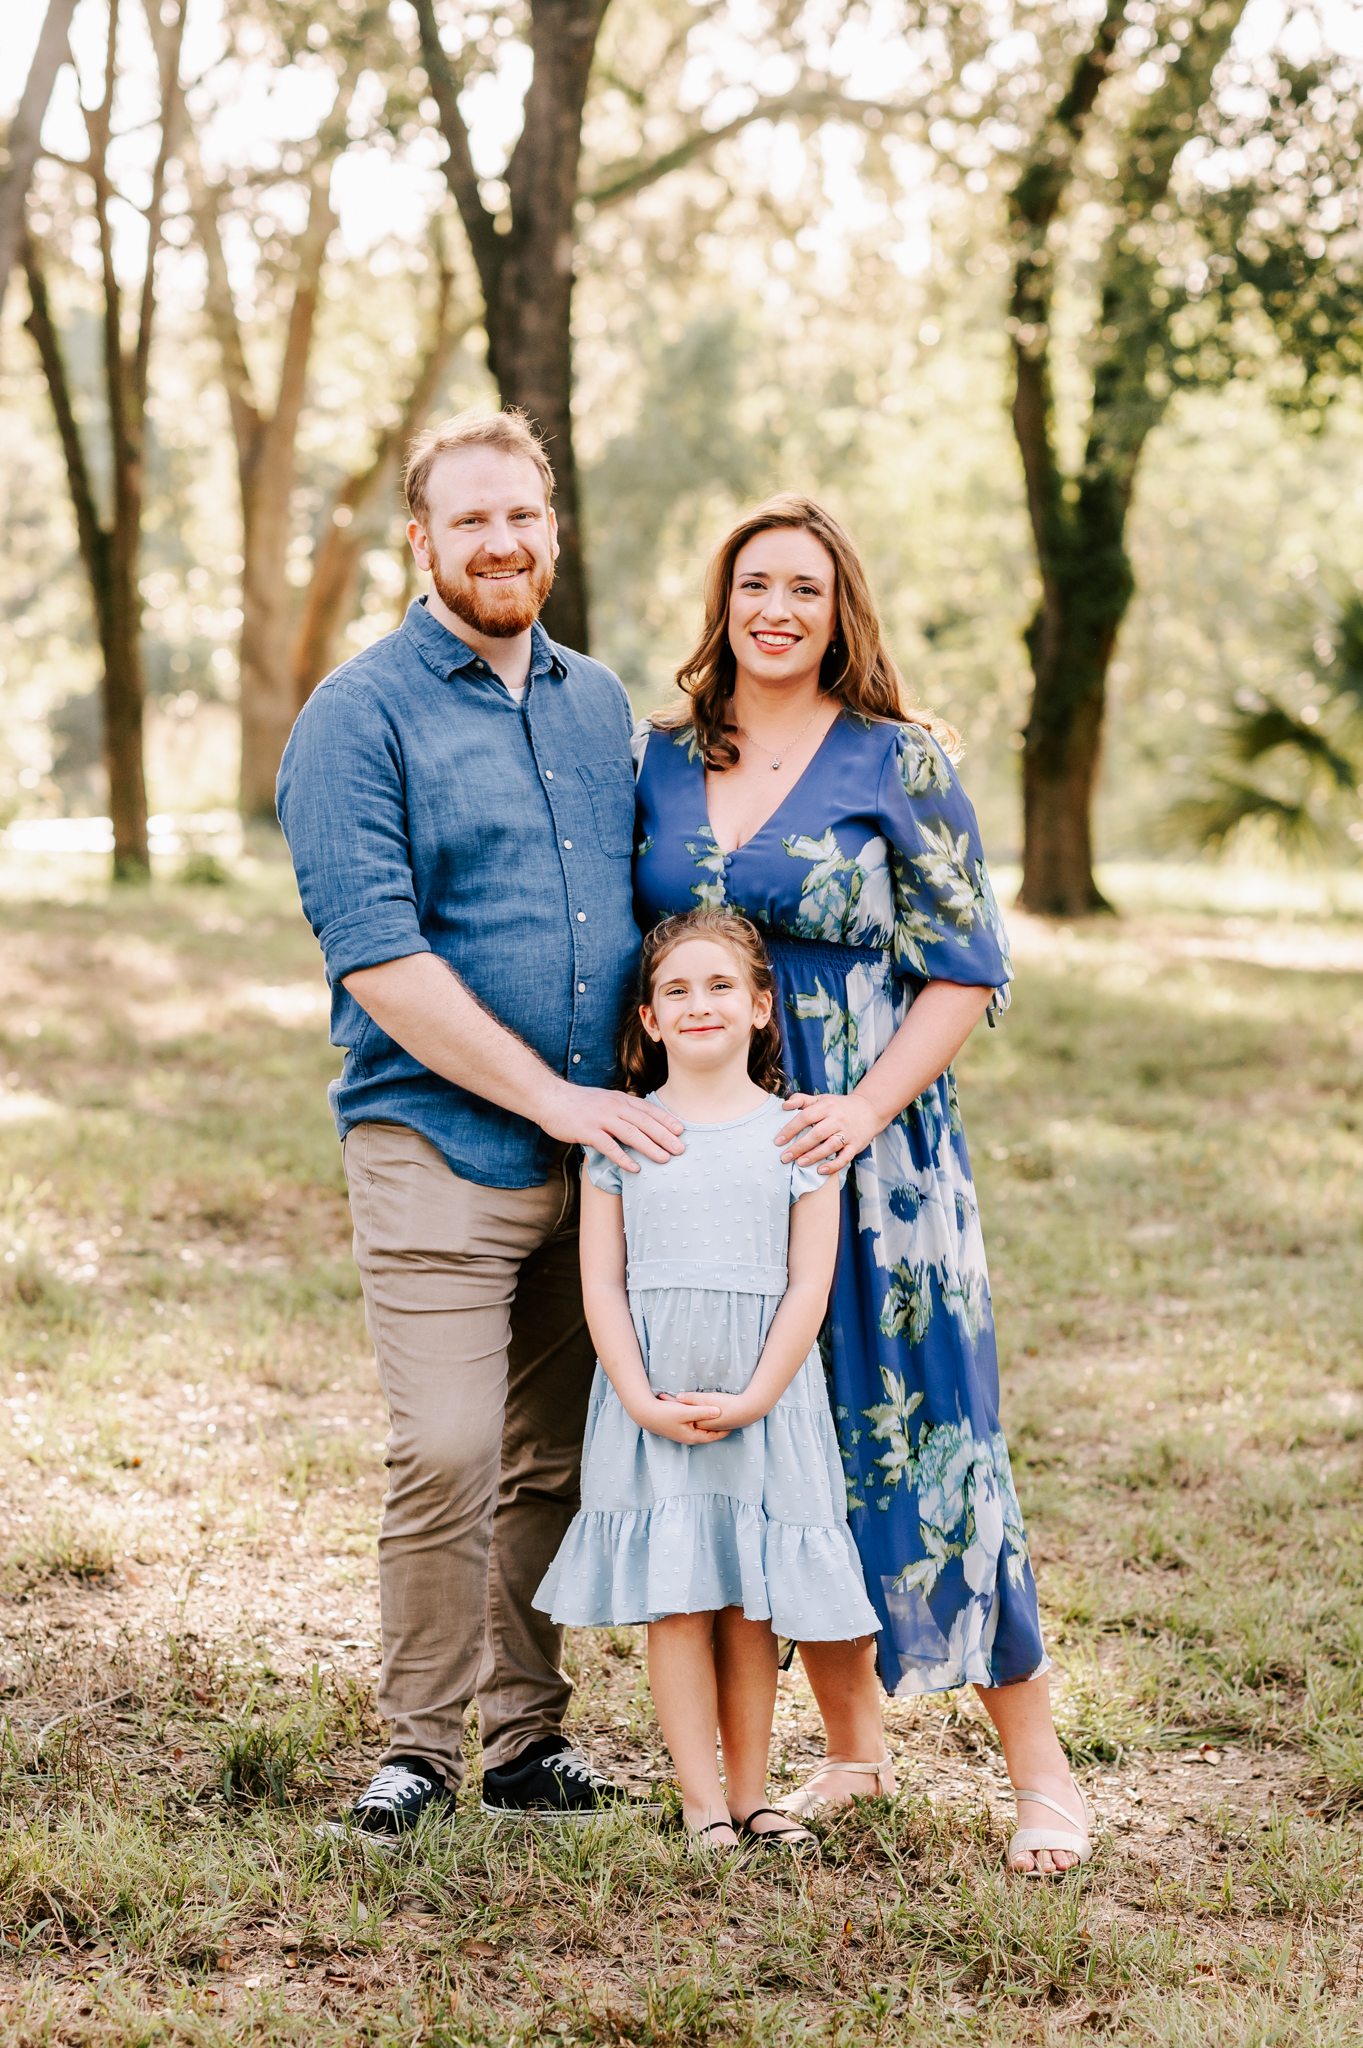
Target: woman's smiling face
(783, 608)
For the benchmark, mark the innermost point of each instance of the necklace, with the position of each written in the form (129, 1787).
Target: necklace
(786, 745)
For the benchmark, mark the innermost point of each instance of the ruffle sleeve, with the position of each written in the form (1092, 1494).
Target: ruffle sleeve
(603, 1173)
(947, 925)
(807, 1180)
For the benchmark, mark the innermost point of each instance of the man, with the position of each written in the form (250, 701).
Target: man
(459, 803)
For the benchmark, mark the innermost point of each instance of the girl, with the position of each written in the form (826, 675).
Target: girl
(713, 1500)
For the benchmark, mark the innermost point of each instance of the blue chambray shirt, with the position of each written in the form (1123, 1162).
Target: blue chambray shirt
(427, 812)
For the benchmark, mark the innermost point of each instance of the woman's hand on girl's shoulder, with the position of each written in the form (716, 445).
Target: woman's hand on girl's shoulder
(827, 1131)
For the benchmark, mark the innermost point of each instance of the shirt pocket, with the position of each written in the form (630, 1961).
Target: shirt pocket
(610, 785)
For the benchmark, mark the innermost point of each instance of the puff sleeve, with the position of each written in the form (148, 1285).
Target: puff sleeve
(947, 925)
(807, 1180)
(603, 1173)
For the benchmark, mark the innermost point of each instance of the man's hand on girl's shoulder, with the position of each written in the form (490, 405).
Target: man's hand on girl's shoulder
(608, 1121)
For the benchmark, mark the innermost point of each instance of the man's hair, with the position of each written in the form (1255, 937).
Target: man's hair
(510, 432)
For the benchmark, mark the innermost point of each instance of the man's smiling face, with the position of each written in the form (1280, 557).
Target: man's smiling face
(490, 541)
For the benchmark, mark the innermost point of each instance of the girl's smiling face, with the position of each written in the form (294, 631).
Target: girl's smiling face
(783, 609)
(703, 1011)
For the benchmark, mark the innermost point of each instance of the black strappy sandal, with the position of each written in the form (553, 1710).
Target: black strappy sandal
(791, 1837)
(696, 1837)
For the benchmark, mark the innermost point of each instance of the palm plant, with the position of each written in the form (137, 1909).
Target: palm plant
(1295, 775)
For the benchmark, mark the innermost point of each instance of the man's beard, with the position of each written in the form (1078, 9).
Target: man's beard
(499, 617)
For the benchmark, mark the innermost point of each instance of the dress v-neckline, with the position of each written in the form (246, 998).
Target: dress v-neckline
(758, 830)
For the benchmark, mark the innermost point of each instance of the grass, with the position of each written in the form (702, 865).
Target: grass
(1168, 1139)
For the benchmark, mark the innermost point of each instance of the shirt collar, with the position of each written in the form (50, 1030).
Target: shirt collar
(444, 651)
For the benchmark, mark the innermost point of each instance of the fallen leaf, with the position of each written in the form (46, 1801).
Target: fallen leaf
(481, 1948)
(1209, 1754)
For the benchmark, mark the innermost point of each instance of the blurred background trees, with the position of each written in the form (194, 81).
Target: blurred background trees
(1057, 305)
(105, 472)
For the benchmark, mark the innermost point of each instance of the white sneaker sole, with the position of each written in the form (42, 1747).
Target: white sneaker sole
(570, 1816)
(381, 1842)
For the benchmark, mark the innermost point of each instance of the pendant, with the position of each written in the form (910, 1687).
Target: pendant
(774, 766)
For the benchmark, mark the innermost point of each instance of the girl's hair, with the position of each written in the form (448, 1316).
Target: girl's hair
(644, 1062)
(858, 669)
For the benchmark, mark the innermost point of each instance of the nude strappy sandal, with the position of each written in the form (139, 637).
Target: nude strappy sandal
(1027, 1841)
(806, 1801)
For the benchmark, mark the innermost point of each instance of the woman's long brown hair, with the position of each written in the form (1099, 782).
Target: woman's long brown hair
(858, 669)
(644, 1063)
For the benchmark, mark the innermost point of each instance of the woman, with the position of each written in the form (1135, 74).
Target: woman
(795, 788)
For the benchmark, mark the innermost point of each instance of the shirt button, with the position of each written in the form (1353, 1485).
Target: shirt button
(548, 774)
(569, 844)
(582, 988)
(582, 917)
(577, 1059)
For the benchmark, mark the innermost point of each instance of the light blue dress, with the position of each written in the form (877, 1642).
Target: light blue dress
(758, 1520)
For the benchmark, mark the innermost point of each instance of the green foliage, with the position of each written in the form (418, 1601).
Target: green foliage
(203, 871)
(1283, 233)
(1313, 755)
(263, 1756)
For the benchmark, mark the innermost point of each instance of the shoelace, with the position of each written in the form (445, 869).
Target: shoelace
(573, 1764)
(391, 1782)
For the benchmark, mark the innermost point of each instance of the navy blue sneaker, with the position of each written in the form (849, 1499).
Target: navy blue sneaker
(398, 1795)
(552, 1781)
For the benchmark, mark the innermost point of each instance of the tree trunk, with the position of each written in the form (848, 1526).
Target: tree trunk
(330, 600)
(1079, 523)
(530, 305)
(1070, 642)
(25, 129)
(527, 274)
(124, 701)
(267, 698)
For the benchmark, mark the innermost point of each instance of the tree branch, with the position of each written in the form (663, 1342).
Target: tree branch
(26, 128)
(166, 40)
(817, 100)
(1135, 327)
(98, 127)
(222, 317)
(1033, 205)
(486, 244)
(40, 325)
(331, 590)
(310, 249)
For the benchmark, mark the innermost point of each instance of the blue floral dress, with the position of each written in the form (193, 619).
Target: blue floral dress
(867, 883)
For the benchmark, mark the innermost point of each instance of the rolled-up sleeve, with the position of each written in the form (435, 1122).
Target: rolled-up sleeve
(342, 803)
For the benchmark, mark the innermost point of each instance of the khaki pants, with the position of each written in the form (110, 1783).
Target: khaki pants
(474, 1303)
